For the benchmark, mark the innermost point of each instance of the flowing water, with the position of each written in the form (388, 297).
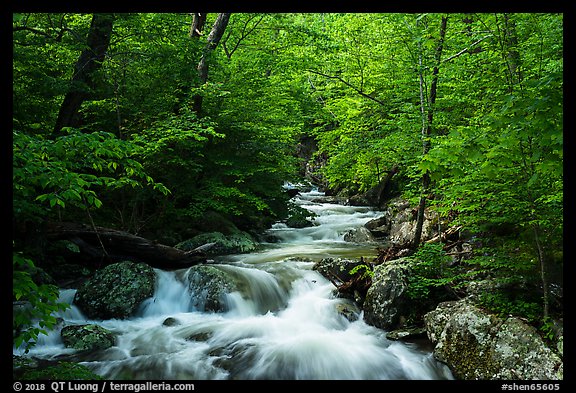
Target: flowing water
(284, 325)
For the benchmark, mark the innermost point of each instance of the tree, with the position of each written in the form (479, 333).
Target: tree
(500, 172)
(427, 109)
(198, 21)
(365, 89)
(82, 81)
(211, 43)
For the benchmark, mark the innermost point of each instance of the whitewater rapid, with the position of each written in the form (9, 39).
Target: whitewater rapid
(285, 324)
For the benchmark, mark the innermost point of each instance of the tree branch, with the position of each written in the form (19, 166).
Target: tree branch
(322, 99)
(349, 85)
(245, 33)
(466, 49)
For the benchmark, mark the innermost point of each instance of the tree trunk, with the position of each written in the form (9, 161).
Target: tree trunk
(512, 55)
(90, 60)
(427, 126)
(212, 42)
(543, 271)
(100, 245)
(197, 27)
(384, 186)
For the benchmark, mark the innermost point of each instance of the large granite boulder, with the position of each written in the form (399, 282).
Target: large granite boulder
(116, 291)
(387, 305)
(477, 345)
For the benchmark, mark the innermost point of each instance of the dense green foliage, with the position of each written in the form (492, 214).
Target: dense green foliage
(143, 160)
(495, 151)
(367, 271)
(435, 278)
(431, 271)
(37, 303)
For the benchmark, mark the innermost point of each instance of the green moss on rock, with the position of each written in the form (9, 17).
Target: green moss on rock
(116, 290)
(235, 243)
(62, 371)
(87, 337)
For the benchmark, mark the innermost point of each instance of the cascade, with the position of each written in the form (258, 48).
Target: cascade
(284, 322)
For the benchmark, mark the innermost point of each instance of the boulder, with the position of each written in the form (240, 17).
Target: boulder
(406, 334)
(477, 345)
(379, 227)
(234, 243)
(88, 337)
(398, 222)
(209, 286)
(386, 305)
(348, 310)
(116, 291)
(298, 221)
(358, 235)
(336, 270)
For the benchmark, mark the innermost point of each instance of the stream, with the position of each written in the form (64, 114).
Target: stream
(288, 328)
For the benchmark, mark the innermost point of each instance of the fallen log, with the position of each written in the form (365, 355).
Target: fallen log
(102, 245)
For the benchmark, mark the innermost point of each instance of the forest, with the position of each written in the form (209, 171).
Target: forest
(160, 125)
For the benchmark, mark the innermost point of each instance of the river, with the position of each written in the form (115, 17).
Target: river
(288, 328)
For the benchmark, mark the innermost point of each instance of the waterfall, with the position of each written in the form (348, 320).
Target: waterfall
(283, 321)
(171, 296)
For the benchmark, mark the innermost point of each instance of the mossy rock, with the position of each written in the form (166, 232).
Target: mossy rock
(209, 287)
(235, 243)
(87, 337)
(116, 291)
(62, 371)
